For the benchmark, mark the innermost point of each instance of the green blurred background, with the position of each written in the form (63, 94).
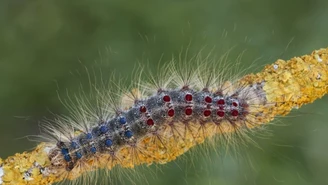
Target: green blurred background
(44, 46)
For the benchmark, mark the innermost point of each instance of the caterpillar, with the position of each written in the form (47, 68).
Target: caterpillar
(157, 122)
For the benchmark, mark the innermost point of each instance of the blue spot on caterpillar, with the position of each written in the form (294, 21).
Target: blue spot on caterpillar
(93, 149)
(64, 151)
(128, 134)
(122, 120)
(74, 145)
(108, 142)
(78, 155)
(67, 158)
(89, 136)
(103, 129)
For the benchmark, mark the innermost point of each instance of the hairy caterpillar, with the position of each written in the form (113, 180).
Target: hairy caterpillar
(161, 121)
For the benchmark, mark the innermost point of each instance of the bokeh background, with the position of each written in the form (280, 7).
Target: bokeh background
(45, 45)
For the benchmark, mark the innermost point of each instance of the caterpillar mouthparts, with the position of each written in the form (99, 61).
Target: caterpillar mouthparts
(162, 124)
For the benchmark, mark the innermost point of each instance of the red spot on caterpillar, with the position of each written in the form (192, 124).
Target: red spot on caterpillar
(143, 109)
(234, 112)
(221, 102)
(150, 122)
(235, 104)
(208, 99)
(207, 113)
(188, 97)
(188, 111)
(220, 113)
(170, 112)
(166, 98)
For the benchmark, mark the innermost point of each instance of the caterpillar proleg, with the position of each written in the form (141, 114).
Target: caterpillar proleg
(159, 122)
